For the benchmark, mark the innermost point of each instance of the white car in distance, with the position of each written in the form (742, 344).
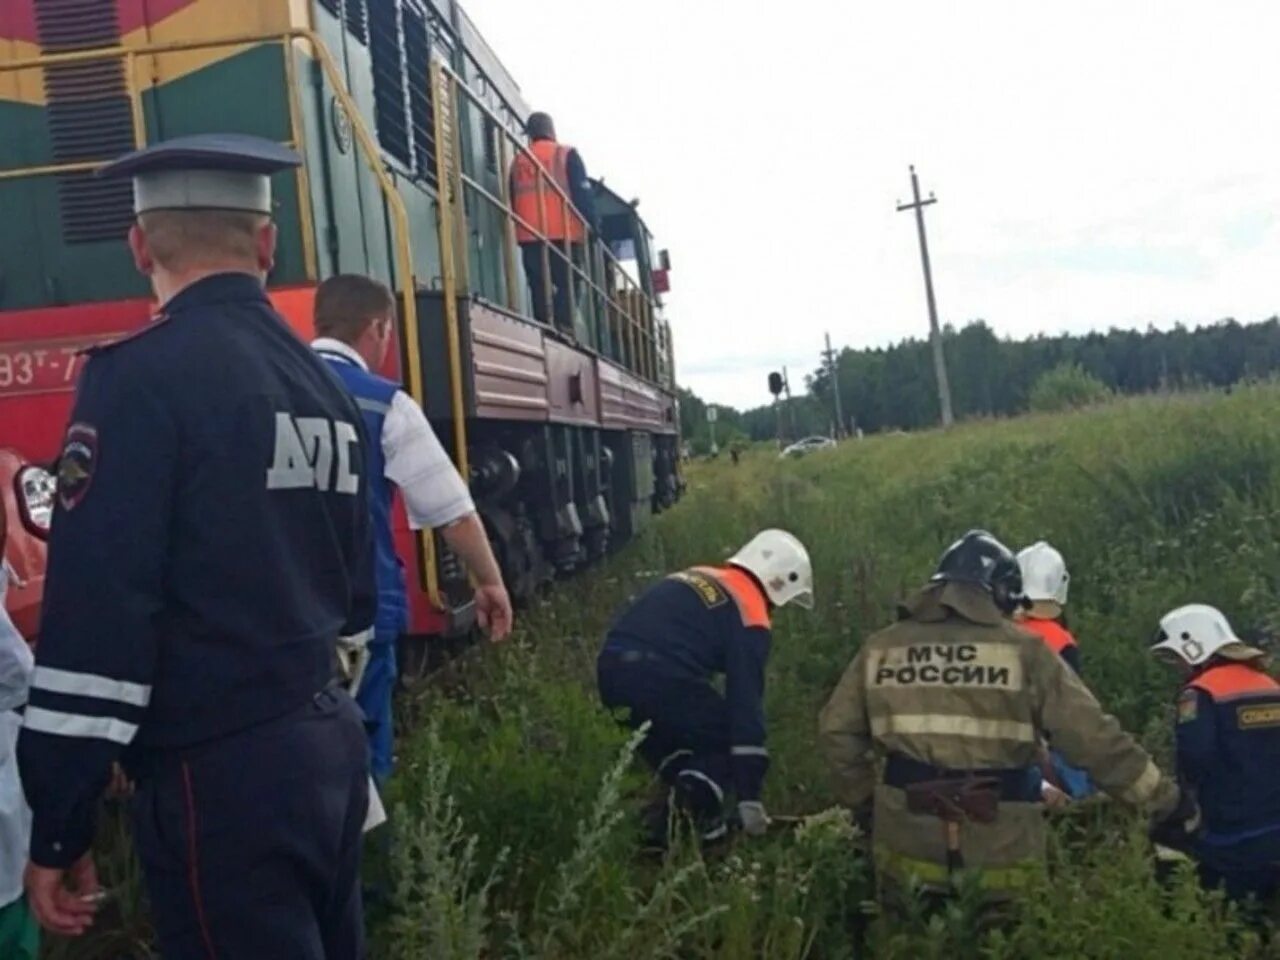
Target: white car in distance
(807, 445)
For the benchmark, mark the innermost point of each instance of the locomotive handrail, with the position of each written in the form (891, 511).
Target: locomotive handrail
(642, 327)
(368, 146)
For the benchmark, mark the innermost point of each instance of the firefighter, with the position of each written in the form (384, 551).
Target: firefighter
(355, 322)
(1228, 751)
(658, 661)
(543, 215)
(955, 698)
(1044, 584)
(210, 544)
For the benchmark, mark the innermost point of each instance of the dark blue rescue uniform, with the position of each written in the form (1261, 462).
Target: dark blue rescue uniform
(211, 542)
(1228, 739)
(658, 662)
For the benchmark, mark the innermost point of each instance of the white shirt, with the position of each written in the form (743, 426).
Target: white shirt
(16, 664)
(434, 492)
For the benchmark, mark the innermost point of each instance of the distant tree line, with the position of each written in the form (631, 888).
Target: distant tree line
(893, 387)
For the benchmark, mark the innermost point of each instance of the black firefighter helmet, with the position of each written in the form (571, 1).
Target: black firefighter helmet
(980, 558)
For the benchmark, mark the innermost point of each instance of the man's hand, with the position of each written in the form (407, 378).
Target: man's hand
(1179, 828)
(493, 611)
(755, 822)
(120, 787)
(1054, 798)
(64, 901)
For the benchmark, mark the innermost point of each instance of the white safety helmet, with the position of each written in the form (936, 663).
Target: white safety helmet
(1197, 633)
(1044, 573)
(781, 564)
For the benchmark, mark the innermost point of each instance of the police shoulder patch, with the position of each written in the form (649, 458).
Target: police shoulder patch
(76, 463)
(1188, 705)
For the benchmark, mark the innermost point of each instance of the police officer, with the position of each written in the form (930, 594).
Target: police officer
(538, 205)
(661, 654)
(355, 321)
(956, 698)
(1228, 751)
(1045, 583)
(210, 544)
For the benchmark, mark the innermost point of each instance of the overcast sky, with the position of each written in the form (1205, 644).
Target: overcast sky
(1098, 163)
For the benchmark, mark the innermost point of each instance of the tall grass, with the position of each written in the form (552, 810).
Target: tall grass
(515, 798)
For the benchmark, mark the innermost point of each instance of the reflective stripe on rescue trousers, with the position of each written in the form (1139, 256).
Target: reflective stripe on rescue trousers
(959, 666)
(952, 725)
(699, 775)
(747, 751)
(1016, 877)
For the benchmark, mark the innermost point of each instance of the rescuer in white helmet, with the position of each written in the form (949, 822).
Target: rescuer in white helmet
(663, 650)
(1228, 745)
(1044, 586)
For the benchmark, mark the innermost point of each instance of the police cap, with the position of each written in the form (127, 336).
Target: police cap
(208, 171)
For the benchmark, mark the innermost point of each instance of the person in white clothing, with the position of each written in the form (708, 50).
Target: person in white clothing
(19, 932)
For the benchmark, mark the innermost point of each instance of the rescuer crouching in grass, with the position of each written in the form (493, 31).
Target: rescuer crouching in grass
(956, 698)
(1044, 586)
(1228, 750)
(660, 656)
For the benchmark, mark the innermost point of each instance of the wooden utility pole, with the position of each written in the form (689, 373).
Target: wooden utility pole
(935, 334)
(830, 356)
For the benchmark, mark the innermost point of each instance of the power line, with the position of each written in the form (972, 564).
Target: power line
(935, 334)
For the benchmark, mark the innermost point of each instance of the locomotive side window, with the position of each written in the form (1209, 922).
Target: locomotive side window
(390, 94)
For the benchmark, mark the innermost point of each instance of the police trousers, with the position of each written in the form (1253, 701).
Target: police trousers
(687, 744)
(251, 843)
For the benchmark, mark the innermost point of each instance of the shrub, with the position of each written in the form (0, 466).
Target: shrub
(1067, 387)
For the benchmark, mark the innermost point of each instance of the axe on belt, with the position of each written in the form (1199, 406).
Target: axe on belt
(953, 802)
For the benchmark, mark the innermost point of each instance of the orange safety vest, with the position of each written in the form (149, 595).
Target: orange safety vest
(1054, 634)
(553, 216)
(1230, 680)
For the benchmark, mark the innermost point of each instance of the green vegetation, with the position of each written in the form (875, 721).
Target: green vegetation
(515, 800)
(890, 388)
(1067, 386)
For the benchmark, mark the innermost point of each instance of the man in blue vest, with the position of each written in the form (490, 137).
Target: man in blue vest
(355, 322)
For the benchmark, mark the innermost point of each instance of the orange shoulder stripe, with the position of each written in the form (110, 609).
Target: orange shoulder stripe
(1234, 680)
(1054, 634)
(750, 599)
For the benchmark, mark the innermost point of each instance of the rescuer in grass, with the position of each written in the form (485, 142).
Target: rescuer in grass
(1044, 586)
(658, 661)
(355, 321)
(1228, 750)
(955, 698)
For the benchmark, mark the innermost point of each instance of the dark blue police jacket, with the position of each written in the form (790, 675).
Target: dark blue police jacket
(210, 542)
(373, 396)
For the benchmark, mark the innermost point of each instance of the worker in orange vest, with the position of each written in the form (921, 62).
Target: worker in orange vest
(1228, 743)
(546, 222)
(1044, 583)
